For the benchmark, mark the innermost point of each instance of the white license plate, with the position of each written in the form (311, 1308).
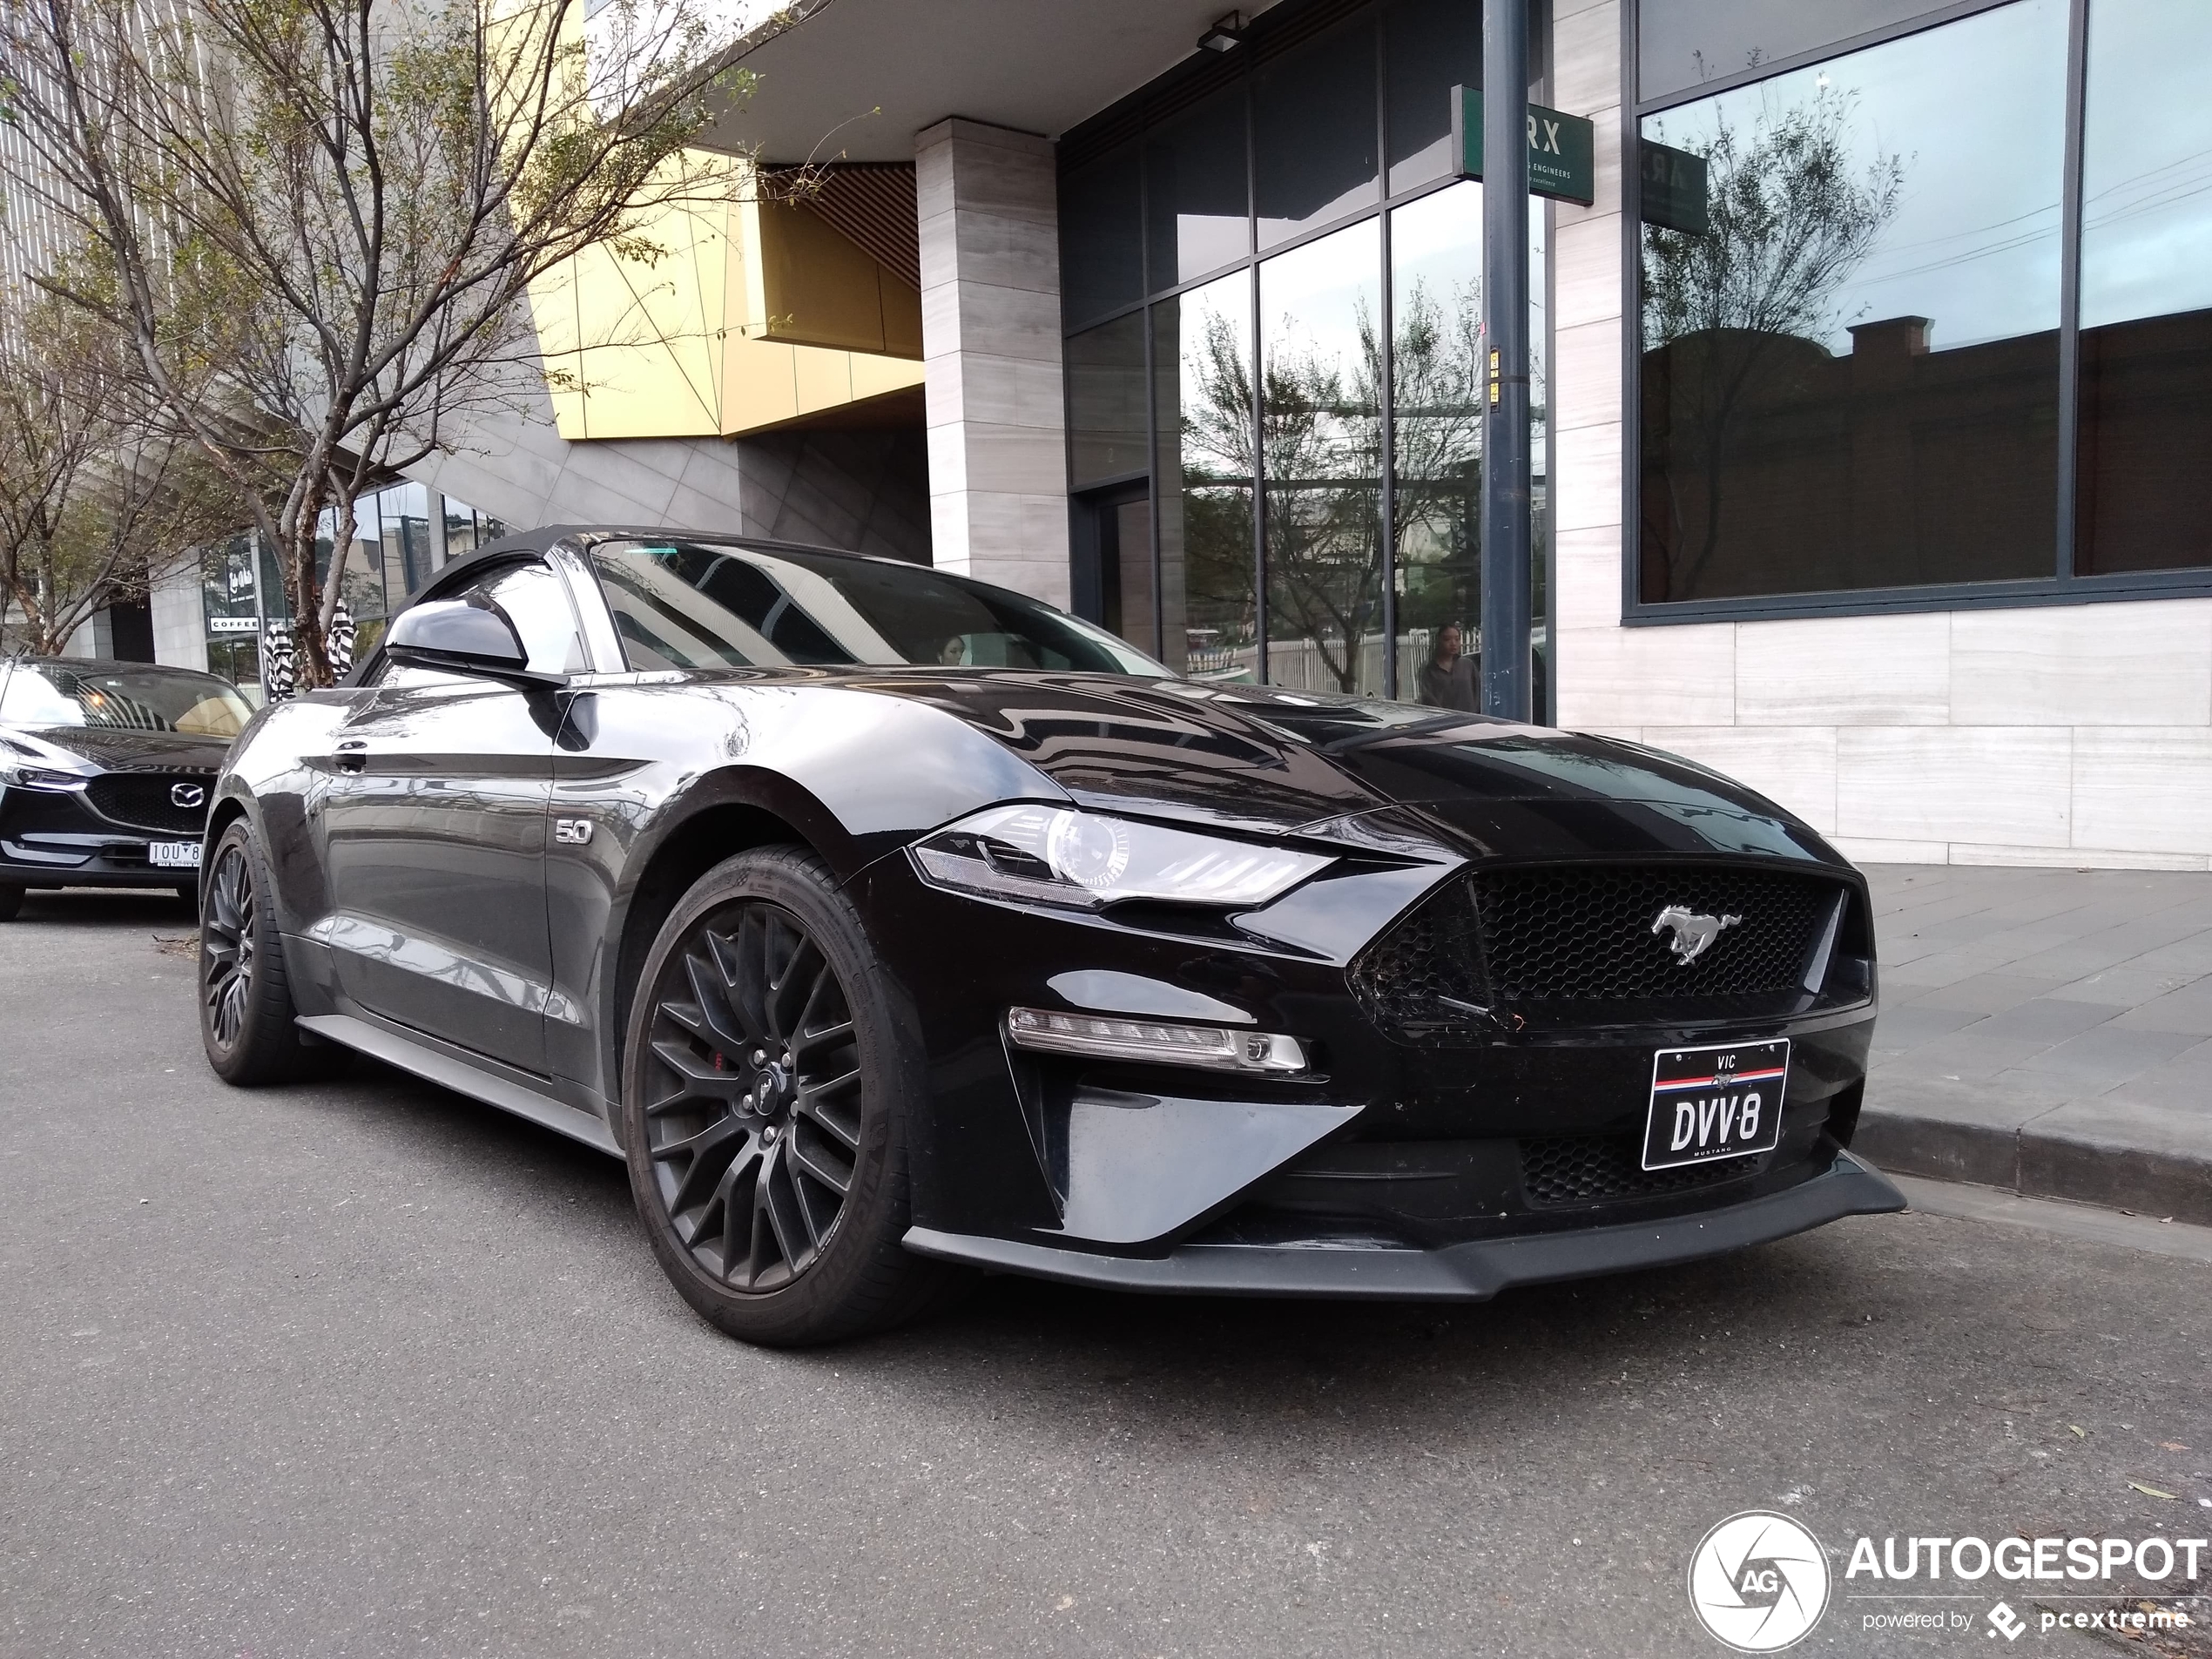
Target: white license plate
(1724, 1101)
(173, 855)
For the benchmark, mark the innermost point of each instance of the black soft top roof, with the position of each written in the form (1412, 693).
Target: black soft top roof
(546, 537)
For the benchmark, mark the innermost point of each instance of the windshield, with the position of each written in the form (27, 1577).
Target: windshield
(692, 606)
(126, 698)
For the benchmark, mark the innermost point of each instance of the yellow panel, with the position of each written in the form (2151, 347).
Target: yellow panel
(873, 376)
(821, 288)
(825, 378)
(680, 345)
(902, 317)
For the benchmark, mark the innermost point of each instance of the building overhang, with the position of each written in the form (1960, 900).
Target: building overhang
(854, 80)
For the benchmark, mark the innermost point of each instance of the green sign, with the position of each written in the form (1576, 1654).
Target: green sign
(1674, 189)
(1561, 148)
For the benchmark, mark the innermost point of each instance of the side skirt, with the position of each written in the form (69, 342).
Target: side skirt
(437, 1063)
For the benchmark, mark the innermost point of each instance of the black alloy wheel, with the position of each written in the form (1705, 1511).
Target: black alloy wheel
(245, 1009)
(754, 1144)
(766, 1082)
(227, 945)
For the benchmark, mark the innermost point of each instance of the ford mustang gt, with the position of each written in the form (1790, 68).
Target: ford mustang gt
(888, 924)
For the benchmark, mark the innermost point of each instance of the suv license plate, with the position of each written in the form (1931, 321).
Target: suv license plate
(1724, 1101)
(173, 855)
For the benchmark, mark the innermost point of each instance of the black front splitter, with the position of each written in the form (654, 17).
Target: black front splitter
(1469, 1272)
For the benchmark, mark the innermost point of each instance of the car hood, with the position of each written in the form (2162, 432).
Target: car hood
(1260, 758)
(116, 748)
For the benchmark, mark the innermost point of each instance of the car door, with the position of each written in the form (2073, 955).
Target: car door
(435, 834)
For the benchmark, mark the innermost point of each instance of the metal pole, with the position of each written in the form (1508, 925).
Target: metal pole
(1505, 599)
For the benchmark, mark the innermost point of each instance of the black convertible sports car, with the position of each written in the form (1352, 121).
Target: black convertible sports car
(884, 920)
(105, 772)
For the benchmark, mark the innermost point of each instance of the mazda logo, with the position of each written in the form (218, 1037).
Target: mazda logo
(187, 796)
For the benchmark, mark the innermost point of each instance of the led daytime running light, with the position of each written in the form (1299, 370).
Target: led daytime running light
(1211, 1048)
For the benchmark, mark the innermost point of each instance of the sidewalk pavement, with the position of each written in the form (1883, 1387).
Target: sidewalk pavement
(2046, 1031)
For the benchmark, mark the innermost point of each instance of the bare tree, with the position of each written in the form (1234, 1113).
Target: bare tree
(1791, 216)
(324, 217)
(100, 499)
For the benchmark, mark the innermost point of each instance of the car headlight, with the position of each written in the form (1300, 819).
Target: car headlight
(1057, 855)
(18, 771)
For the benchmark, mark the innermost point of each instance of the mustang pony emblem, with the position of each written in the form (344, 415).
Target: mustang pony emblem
(1694, 933)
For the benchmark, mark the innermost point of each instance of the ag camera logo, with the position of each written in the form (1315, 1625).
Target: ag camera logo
(1758, 1582)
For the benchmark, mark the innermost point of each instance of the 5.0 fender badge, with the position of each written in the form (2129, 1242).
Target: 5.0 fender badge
(572, 832)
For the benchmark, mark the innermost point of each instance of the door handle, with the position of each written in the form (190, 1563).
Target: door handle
(353, 755)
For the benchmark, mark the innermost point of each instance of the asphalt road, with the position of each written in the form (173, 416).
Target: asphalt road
(366, 1368)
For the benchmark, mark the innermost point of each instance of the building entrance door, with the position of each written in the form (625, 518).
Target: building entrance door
(1114, 574)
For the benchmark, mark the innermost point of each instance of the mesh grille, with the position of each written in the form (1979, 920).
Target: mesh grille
(141, 799)
(1586, 934)
(1590, 1169)
(1426, 972)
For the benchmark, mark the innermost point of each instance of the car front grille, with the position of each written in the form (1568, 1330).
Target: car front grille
(1562, 1170)
(143, 800)
(1586, 934)
(1504, 945)
(1426, 975)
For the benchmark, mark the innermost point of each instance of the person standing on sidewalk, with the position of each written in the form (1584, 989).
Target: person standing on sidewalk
(1448, 679)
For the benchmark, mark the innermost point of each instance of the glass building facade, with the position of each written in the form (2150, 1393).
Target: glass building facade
(400, 534)
(1272, 291)
(1947, 334)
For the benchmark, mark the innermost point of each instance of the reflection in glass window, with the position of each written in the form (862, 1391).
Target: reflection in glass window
(1202, 354)
(1436, 370)
(1101, 246)
(1105, 370)
(1320, 309)
(44, 695)
(362, 573)
(1681, 43)
(1436, 299)
(1431, 46)
(1851, 380)
(1199, 212)
(1313, 134)
(698, 605)
(404, 512)
(2144, 493)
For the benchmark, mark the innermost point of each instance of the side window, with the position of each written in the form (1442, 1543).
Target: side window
(535, 600)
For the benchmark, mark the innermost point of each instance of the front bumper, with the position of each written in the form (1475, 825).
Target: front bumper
(54, 838)
(109, 861)
(1471, 1272)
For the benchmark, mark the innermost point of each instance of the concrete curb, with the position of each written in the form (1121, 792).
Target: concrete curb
(1911, 1139)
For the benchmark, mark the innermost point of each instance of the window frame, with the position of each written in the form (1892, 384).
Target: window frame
(1138, 106)
(2062, 586)
(459, 577)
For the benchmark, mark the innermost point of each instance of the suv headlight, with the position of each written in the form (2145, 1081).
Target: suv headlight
(19, 769)
(1056, 855)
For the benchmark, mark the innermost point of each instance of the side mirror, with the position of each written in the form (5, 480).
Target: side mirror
(461, 639)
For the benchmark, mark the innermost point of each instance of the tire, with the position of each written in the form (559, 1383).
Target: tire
(766, 1061)
(246, 1011)
(11, 902)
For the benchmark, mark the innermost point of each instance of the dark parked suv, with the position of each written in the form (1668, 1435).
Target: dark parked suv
(107, 770)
